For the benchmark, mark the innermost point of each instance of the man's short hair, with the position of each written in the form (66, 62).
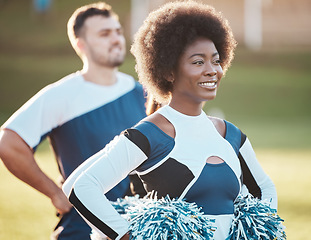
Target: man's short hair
(76, 21)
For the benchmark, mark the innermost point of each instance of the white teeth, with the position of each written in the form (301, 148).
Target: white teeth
(208, 84)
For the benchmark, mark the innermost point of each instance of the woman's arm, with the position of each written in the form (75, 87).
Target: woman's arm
(257, 181)
(87, 185)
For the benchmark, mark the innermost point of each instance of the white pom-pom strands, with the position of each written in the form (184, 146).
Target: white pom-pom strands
(254, 219)
(176, 219)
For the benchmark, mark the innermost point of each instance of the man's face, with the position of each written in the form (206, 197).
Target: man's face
(103, 41)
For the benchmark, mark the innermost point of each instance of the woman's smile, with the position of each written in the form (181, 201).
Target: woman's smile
(212, 85)
(197, 76)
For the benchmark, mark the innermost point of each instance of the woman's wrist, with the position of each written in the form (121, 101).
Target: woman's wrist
(125, 236)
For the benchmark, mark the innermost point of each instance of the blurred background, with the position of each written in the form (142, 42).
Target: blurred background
(266, 93)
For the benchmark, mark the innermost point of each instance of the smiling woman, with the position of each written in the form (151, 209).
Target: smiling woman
(182, 51)
(157, 59)
(197, 75)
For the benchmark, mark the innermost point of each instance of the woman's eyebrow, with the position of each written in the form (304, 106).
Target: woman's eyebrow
(215, 54)
(203, 55)
(197, 54)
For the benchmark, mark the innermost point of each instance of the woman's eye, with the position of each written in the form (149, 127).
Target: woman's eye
(217, 61)
(198, 62)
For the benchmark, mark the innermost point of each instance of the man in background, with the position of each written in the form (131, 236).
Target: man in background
(79, 114)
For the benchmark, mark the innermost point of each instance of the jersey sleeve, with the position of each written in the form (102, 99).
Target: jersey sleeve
(254, 177)
(87, 185)
(256, 181)
(37, 117)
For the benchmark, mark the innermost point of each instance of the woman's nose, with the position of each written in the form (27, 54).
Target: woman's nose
(210, 70)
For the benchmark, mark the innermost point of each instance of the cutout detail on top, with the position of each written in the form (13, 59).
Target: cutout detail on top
(214, 160)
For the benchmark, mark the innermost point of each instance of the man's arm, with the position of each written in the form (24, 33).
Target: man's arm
(18, 157)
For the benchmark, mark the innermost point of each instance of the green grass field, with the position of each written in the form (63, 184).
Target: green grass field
(27, 214)
(266, 94)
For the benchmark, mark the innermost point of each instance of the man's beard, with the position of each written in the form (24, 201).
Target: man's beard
(116, 62)
(108, 61)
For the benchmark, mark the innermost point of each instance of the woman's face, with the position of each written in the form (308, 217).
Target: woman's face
(198, 73)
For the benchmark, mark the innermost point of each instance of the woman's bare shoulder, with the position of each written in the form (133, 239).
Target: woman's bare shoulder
(161, 122)
(219, 125)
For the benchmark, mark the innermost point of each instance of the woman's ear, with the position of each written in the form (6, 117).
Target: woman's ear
(171, 77)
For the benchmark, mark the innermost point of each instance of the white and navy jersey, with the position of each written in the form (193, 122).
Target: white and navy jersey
(170, 166)
(80, 118)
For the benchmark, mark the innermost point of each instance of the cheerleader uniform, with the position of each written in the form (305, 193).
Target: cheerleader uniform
(170, 166)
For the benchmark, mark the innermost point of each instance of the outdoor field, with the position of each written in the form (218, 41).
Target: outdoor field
(267, 94)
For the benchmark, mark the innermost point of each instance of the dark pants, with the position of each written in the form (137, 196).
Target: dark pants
(71, 227)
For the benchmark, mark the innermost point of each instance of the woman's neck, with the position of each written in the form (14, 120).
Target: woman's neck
(187, 108)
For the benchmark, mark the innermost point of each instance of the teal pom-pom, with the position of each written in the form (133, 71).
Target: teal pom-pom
(254, 219)
(122, 205)
(167, 219)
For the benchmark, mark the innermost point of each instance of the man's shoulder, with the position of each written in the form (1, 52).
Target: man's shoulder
(71, 79)
(125, 76)
(129, 80)
(63, 85)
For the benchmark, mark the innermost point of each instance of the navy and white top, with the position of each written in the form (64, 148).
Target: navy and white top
(80, 118)
(174, 166)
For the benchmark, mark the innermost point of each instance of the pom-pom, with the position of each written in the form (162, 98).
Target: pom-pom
(164, 219)
(254, 219)
(168, 220)
(122, 205)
